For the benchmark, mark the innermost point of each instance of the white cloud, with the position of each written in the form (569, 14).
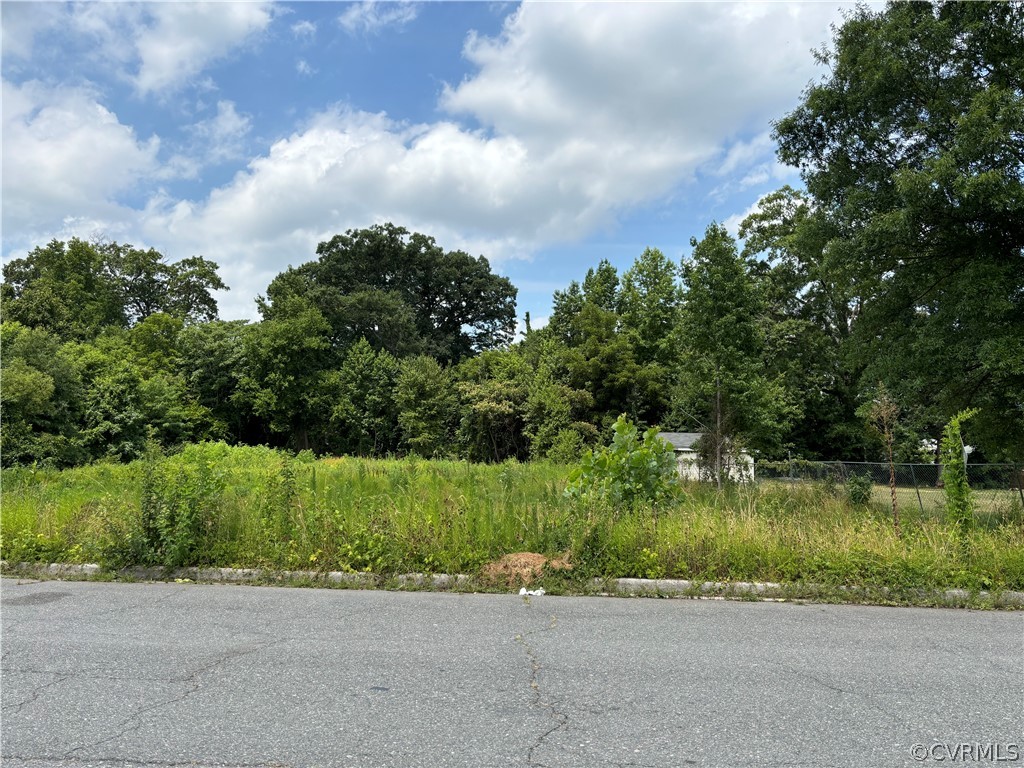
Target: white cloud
(743, 154)
(370, 16)
(303, 68)
(304, 30)
(158, 47)
(182, 38)
(222, 137)
(19, 23)
(732, 223)
(584, 111)
(66, 158)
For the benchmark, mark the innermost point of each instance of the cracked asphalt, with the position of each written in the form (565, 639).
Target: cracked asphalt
(104, 674)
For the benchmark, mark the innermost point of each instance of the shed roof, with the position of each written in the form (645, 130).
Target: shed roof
(681, 441)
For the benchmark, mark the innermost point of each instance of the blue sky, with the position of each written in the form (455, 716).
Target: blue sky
(544, 136)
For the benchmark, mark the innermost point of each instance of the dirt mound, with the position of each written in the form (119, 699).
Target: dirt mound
(520, 568)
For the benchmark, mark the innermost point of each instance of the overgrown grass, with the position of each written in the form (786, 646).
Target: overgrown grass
(253, 507)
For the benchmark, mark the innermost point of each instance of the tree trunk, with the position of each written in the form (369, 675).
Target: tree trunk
(892, 483)
(718, 431)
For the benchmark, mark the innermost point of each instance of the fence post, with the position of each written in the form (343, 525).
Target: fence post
(1018, 476)
(913, 476)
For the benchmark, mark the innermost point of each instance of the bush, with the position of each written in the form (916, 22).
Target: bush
(959, 504)
(858, 489)
(180, 498)
(630, 471)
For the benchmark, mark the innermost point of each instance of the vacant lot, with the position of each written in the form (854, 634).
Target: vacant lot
(248, 507)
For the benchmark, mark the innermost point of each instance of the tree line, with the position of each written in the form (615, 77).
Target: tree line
(897, 272)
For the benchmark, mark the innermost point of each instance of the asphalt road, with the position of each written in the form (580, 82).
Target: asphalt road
(100, 674)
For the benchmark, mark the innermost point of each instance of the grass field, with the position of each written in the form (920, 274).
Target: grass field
(253, 507)
(988, 502)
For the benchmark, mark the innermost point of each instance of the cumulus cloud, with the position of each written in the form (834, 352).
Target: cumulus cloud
(222, 137)
(574, 114)
(583, 111)
(370, 16)
(19, 23)
(158, 47)
(67, 158)
(182, 38)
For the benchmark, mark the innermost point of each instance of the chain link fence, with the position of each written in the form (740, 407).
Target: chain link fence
(997, 488)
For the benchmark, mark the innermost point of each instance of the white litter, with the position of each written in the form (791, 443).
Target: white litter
(523, 591)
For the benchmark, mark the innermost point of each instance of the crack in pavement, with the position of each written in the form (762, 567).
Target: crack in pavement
(865, 697)
(126, 762)
(561, 719)
(36, 693)
(134, 721)
(91, 674)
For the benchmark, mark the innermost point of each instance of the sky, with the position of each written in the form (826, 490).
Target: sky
(543, 136)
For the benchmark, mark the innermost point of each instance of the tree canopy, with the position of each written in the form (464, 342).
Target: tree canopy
(76, 289)
(897, 267)
(403, 293)
(912, 150)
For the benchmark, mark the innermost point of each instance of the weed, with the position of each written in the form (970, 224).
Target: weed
(254, 507)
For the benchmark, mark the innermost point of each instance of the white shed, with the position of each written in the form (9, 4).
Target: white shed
(740, 467)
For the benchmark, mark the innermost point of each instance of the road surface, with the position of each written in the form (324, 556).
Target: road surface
(103, 674)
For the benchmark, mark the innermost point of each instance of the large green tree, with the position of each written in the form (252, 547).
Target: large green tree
(287, 377)
(912, 146)
(427, 407)
(649, 306)
(722, 388)
(76, 289)
(808, 315)
(493, 389)
(403, 293)
(365, 417)
(41, 399)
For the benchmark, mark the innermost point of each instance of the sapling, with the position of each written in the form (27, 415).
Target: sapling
(882, 413)
(959, 504)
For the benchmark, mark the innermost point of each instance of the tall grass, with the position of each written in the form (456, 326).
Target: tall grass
(254, 507)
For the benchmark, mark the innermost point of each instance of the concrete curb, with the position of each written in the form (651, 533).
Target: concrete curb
(443, 581)
(670, 587)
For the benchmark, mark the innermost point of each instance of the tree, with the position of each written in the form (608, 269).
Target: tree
(601, 286)
(722, 387)
(154, 343)
(76, 289)
(365, 416)
(286, 373)
(189, 285)
(427, 406)
(555, 413)
(40, 400)
(649, 306)
(603, 363)
(913, 148)
(809, 313)
(493, 389)
(212, 362)
(403, 293)
(64, 288)
(566, 307)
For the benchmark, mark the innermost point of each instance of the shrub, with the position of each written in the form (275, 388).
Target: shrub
(959, 504)
(858, 489)
(630, 471)
(181, 496)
